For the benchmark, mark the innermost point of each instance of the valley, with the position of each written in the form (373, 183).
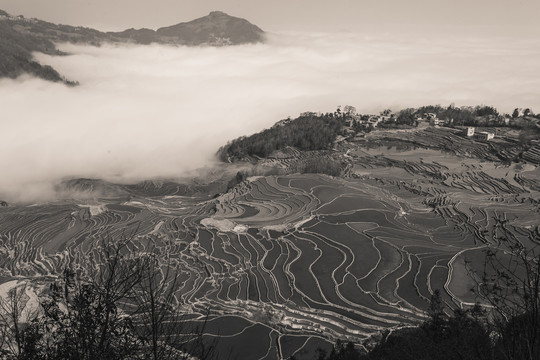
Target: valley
(176, 184)
(289, 262)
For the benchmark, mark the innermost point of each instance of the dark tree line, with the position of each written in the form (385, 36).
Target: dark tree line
(311, 132)
(480, 115)
(459, 336)
(406, 117)
(320, 165)
(464, 115)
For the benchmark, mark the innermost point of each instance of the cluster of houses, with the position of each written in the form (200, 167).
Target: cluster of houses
(433, 119)
(372, 120)
(20, 18)
(469, 132)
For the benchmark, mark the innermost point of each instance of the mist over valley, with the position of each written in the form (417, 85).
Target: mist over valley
(158, 111)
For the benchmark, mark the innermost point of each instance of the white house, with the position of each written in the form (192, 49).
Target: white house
(434, 121)
(484, 135)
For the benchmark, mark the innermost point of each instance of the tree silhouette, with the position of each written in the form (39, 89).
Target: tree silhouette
(122, 307)
(510, 284)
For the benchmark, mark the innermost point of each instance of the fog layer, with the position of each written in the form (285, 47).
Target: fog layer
(144, 112)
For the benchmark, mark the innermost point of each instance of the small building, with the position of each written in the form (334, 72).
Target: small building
(432, 118)
(282, 122)
(484, 135)
(469, 131)
(374, 121)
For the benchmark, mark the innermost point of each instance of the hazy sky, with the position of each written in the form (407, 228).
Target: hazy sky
(513, 17)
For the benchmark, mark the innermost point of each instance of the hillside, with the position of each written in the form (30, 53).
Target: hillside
(21, 36)
(16, 49)
(289, 261)
(215, 29)
(307, 132)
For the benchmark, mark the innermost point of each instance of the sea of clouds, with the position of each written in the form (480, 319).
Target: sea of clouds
(145, 112)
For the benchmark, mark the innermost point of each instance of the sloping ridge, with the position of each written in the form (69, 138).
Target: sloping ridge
(19, 37)
(16, 58)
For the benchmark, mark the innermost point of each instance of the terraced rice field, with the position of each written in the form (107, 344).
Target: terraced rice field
(291, 263)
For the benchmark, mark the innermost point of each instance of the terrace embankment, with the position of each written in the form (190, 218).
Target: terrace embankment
(288, 263)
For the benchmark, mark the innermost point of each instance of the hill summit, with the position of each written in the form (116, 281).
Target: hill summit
(215, 29)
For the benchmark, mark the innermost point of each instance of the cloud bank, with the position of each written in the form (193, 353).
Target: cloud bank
(144, 112)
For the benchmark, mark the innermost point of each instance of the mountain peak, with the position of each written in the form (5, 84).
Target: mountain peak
(218, 13)
(215, 28)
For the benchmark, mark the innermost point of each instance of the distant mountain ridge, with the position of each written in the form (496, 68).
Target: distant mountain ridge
(216, 29)
(19, 37)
